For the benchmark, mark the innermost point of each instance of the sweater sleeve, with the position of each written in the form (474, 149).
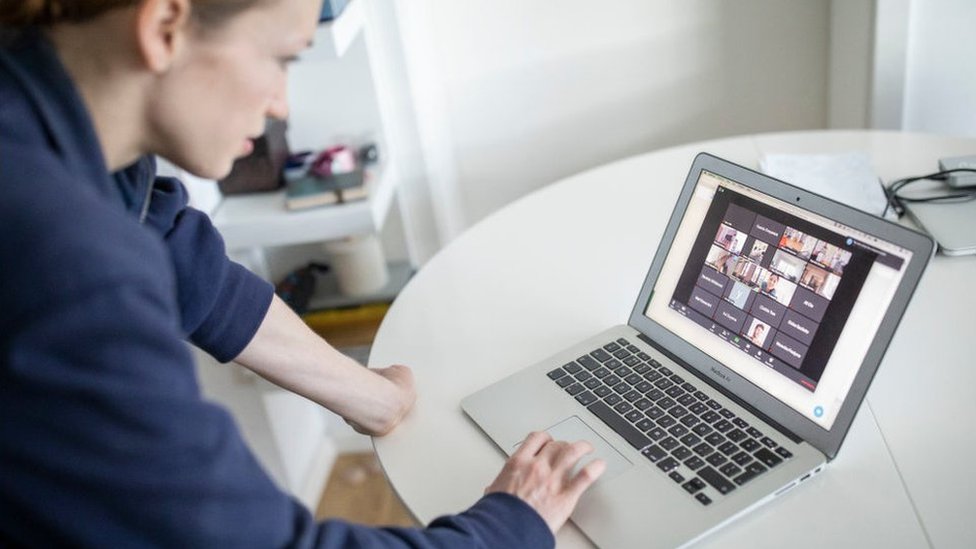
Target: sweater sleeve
(221, 303)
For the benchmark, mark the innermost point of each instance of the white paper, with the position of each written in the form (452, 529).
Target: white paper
(848, 177)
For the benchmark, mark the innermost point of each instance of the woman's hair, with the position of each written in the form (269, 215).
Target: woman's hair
(25, 13)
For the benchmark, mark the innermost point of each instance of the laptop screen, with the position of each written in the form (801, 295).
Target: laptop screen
(788, 299)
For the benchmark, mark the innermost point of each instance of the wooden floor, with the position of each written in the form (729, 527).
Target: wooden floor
(357, 491)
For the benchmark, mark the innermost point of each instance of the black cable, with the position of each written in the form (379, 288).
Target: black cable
(948, 194)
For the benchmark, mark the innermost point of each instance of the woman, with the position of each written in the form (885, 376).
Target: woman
(105, 439)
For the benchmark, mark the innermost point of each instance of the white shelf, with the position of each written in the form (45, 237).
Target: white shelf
(261, 219)
(333, 38)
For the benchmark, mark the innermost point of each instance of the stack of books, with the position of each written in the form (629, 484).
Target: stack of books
(310, 191)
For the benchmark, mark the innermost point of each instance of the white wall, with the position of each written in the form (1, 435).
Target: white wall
(940, 86)
(535, 91)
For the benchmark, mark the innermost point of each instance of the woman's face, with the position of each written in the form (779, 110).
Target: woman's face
(214, 99)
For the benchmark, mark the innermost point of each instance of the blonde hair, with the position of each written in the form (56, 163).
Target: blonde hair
(43, 13)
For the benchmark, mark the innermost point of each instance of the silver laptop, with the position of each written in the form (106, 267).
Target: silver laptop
(762, 320)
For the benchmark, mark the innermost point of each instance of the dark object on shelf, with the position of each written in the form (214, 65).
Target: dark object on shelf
(331, 9)
(263, 169)
(297, 287)
(368, 154)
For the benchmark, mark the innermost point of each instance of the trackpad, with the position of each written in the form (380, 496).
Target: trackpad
(573, 429)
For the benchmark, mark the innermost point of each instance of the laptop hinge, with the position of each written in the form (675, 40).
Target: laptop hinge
(783, 430)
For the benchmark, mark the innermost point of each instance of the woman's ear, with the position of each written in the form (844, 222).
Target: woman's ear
(161, 27)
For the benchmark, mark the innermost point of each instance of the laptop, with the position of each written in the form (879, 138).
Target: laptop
(761, 322)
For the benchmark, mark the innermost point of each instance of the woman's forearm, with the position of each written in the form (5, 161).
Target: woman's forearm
(286, 352)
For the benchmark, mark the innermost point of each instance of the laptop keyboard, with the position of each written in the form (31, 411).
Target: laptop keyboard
(668, 419)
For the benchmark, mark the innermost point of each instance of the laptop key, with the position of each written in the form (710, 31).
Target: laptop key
(665, 403)
(623, 408)
(644, 356)
(655, 394)
(742, 458)
(676, 476)
(613, 399)
(654, 453)
(730, 469)
(751, 472)
(686, 400)
(656, 433)
(666, 421)
(689, 387)
(736, 435)
(697, 408)
(583, 376)
(703, 449)
(740, 423)
(716, 480)
(681, 453)
(678, 431)
(592, 383)
(784, 453)
(755, 433)
(726, 413)
(677, 379)
(652, 376)
(644, 386)
(634, 416)
(714, 405)
(587, 362)
(702, 430)
(722, 426)
(694, 463)
(601, 372)
(690, 421)
(633, 396)
(611, 347)
(769, 443)
(621, 353)
(693, 485)
(634, 379)
(621, 388)
(586, 398)
(575, 389)
(675, 392)
(631, 360)
(631, 434)
(633, 348)
(768, 458)
(654, 412)
(701, 396)
(664, 370)
(714, 439)
(668, 464)
(611, 380)
(645, 425)
(602, 391)
(613, 364)
(728, 448)
(642, 369)
(716, 459)
(556, 374)
(691, 439)
(643, 404)
(751, 445)
(703, 499)
(623, 342)
(669, 443)
(565, 380)
(601, 355)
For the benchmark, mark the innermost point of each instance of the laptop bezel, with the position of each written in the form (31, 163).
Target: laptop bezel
(827, 441)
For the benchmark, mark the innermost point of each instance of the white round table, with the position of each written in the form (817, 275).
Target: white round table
(567, 261)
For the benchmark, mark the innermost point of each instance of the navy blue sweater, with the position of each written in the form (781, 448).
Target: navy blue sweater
(104, 437)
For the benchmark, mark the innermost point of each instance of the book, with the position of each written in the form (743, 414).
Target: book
(310, 191)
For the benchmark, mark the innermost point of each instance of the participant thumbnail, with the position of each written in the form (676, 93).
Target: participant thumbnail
(758, 251)
(757, 331)
(831, 257)
(747, 272)
(739, 294)
(730, 239)
(720, 259)
(776, 287)
(791, 267)
(797, 242)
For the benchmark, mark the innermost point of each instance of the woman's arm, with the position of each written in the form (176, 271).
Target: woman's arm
(286, 352)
